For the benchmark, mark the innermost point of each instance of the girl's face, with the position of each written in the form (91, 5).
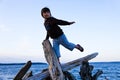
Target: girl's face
(46, 15)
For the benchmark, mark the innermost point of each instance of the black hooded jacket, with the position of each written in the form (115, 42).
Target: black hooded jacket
(53, 30)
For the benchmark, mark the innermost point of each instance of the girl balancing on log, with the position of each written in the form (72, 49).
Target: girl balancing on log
(56, 33)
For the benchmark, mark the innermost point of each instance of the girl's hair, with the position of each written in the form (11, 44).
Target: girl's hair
(45, 9)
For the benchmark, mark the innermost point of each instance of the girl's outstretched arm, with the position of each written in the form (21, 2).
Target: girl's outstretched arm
(62, 22)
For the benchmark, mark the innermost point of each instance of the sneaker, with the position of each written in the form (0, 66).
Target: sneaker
(79, 48)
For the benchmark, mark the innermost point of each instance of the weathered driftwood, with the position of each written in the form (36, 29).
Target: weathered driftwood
(86, 72)
(97, 74)
(23, 71)
(75, 63)
(47, 78)
(68, 76)
(27, 75)
(39, 76)
(54, 66)
(65, 67)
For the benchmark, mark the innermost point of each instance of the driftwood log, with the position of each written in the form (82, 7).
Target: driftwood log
(55, 69)
(27, 75)
(68, 76)
(86, 72)
(65, 67)
(23, 71)
(54, 65)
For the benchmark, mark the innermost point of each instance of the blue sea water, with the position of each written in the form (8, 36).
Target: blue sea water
(111, 70)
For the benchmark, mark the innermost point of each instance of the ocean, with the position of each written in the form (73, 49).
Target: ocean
(111, 70)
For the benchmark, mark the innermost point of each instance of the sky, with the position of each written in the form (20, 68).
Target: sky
(22, 32)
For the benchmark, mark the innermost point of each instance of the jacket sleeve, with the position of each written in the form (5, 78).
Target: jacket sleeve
(61, 22)
(47, 36)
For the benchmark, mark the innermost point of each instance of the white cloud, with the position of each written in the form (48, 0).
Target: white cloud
(3, 28)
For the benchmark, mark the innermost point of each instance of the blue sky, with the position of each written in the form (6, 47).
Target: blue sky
(97, 29)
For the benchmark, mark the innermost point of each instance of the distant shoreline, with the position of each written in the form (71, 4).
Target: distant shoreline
(23, 63)
(36, 63)
(107, 62)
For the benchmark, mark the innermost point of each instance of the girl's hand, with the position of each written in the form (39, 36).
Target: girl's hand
(72, 22)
